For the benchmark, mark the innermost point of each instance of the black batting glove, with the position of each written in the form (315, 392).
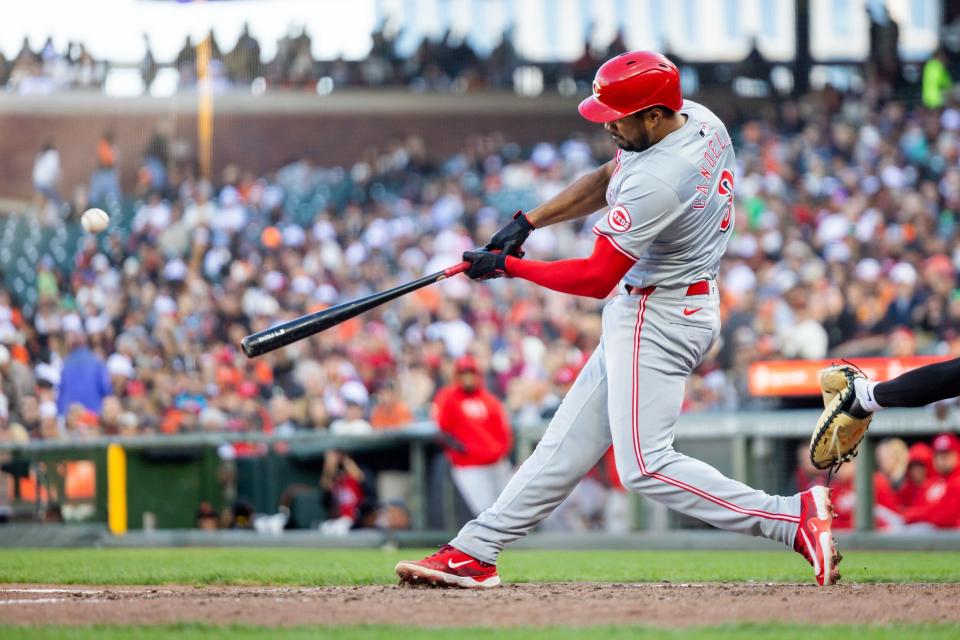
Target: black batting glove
(485, 265)
(511, 236)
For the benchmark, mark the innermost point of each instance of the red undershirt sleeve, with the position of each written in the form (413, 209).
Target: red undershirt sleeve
(595, 276)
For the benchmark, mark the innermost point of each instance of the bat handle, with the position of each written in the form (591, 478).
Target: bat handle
(454, 270)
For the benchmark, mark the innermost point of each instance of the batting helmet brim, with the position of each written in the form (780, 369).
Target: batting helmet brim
(595, 111)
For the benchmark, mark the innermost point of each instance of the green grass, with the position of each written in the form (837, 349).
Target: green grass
(766, 631)
(308, 567)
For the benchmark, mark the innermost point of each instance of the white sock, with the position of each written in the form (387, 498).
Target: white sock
(864, 390)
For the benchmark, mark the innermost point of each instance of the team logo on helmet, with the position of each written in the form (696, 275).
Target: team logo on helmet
(596, 88)
(619, 219)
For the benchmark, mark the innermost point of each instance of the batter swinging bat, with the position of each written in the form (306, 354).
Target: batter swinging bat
(305, 326)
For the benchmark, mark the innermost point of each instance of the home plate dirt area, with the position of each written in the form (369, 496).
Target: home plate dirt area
(662, 604)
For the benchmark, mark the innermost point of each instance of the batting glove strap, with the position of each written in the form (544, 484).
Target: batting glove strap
(523, 221)
(511, 236)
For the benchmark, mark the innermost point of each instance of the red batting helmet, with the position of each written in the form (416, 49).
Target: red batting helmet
(632, 82)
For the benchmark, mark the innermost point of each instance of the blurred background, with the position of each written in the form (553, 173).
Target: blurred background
(261, 159)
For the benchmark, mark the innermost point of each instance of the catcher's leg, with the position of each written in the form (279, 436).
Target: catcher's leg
(916, 388)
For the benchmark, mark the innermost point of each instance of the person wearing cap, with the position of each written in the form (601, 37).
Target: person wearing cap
(940, 504)
(668, 201)
(476, 435)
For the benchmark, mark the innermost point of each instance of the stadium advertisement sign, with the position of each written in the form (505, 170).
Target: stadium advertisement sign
(778, 378)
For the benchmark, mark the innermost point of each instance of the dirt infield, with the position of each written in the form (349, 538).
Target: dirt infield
(512, 605)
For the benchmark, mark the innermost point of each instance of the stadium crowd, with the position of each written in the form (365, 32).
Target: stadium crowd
(845, 245)
(444, 64)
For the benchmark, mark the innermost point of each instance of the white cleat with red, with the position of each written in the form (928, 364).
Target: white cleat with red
(814, 539)
(448, 567)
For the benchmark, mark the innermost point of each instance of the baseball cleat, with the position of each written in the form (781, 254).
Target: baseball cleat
(814, 539)
(448, 567)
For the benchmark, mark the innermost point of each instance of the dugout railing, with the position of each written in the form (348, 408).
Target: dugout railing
(166, 477)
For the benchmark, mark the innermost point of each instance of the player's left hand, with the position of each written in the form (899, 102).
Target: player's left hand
(485, 265)
(511, 236)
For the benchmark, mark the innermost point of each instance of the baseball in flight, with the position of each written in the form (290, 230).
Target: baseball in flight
(94, 220)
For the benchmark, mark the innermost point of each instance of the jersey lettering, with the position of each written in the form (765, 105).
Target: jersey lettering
(725, 190)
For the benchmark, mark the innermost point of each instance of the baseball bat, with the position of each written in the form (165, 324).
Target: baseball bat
(299, 328)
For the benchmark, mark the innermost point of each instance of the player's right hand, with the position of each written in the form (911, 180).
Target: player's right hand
(485, 265)
(511, 236)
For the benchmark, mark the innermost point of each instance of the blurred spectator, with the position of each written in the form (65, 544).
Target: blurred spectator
(885, 509)
(206, 517)
(25, 69)
(342, 479)
(243, 61)
(16, 383)
(185, 63)
(936, 80)
(46, 183)
(353, 422)
(920, 475)
(389, 410)
(281, 415)
(148, 65)
(85, 380)
(152, 176)
(105, 181)
(892, 461)
(239, 515)
(476, 435)
(940, 506)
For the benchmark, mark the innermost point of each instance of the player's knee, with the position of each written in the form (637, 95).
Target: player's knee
(638, 467)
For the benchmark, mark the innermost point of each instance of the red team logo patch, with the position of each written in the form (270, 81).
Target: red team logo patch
(619, 219)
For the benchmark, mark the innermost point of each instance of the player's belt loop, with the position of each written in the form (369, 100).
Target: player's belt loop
(645, 291)
(701, 288)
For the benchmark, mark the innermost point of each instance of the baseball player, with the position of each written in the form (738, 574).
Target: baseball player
(477, 435)
(669, 193)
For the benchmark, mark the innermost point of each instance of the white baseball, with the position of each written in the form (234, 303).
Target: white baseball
(94, 220)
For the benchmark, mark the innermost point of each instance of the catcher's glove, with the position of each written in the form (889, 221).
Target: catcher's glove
(838, 432)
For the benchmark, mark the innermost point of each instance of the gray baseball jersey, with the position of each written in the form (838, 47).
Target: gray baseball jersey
(671, 206)
(671, 209)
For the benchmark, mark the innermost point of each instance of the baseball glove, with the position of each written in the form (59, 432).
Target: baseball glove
(838, 433)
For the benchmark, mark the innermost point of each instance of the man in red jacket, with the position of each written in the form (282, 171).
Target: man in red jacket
(477, 436)
(941, 501)
(920, 475)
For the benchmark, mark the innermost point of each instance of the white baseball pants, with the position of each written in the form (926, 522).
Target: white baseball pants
(630, 393)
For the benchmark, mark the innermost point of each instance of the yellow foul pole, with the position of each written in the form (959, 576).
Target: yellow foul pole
(116, 490)
(204, 110)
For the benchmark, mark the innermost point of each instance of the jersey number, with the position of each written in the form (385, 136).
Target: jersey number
(725, 190)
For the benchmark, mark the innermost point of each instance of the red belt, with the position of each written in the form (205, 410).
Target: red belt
(701, 288)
